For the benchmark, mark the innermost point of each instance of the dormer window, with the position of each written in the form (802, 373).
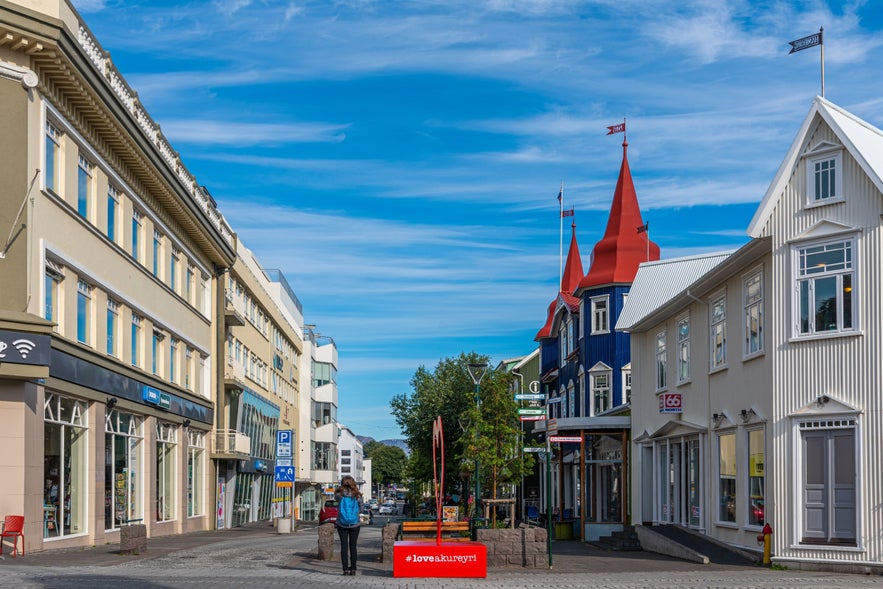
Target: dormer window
(824, 171)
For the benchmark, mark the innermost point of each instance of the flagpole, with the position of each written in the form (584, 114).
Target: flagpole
(822, 47)
(561, 237)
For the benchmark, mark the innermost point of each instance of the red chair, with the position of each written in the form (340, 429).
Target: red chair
(12, 528)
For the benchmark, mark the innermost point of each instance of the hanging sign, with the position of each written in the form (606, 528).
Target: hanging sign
(670, 403)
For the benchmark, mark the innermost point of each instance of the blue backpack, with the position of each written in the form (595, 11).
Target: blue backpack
(348, 512)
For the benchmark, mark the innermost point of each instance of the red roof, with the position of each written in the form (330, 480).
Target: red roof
(616, 257)
(573, 272)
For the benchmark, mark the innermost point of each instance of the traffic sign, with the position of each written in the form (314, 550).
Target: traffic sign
(529, 397)
(561, 439)
(284, 476)
(283, 443)
(532, 417)
(533, 449)
(531, 411)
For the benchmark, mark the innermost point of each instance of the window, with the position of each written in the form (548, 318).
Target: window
(84, 312)
(719, 332)
(51, 282)
(752, 288)
(571, 340)
(195, 473)
(136, 340)
(627, 384)
(324, 456)
(823, 181)
(112, 327)
(166, 444)
(600, 392)
(756, 461)
(600, 315)
(571, 401)
(136, 235)
(188, 368)
(123, 469)
(684, 350)
(113, 201)
(156, 351)
(84, 186)
(661, 361)
(825, 288)
(53, 148)
(173, 359)
(189, 283)
(65, 472)
(727, 478)
(157, 253)
(323, 373)
(173, 270)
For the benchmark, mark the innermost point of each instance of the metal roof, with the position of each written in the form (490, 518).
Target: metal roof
(657, 283)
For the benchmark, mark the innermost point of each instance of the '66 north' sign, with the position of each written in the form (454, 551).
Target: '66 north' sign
(670, 403)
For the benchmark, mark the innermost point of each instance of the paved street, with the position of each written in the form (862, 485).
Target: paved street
(256, 557)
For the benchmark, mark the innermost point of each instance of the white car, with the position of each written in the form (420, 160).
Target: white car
(387, 509)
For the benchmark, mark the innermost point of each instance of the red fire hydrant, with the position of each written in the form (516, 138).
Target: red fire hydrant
(764, 538)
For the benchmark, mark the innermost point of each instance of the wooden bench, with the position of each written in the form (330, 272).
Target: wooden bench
(426, 530)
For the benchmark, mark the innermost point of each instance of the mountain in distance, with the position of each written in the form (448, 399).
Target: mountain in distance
(397, 443)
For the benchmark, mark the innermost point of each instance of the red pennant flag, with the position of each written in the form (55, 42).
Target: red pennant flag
(620, 128)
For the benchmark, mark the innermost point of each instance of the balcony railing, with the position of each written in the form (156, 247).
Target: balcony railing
(230, 441)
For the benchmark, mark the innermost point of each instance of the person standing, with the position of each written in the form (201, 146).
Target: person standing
(349, 506)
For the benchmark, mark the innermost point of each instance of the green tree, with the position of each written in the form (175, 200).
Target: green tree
(446, 391)
(493, 437)
(388, 464)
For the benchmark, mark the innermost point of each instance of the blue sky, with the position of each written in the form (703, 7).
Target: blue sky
(399, 161)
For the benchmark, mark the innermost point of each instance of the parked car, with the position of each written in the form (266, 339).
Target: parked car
(373, 504)
(329, 511)
(388, 509)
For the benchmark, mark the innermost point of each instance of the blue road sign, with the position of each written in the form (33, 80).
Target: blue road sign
(283, 443)
(284, 474)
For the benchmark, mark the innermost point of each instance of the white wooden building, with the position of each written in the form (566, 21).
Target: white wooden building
(781, 415)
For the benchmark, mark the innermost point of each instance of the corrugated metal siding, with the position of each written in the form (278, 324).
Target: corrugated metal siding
(845, 369)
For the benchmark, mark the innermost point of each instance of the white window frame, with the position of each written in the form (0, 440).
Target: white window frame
(600, 315)
(166, 472)
(601, 391)
(752, 309)
(84, 315)
(661, 362)
(849, 268)
(627, 384)
(815, 178)
(683, 359)
(717, 326)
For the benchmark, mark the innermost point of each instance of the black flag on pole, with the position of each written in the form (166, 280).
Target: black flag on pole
(805, 42)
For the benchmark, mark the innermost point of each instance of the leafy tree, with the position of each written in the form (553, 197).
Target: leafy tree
(446, 391)
(490, 433)
(494, 436)
(388, 464)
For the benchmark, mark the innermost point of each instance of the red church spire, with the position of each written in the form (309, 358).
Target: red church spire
(573, 273)
(624, 246)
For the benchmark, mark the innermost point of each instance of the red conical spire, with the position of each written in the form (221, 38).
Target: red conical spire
(573, 272)
(624, 246)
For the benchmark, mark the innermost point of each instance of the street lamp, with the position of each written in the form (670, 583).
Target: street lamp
(477, 372)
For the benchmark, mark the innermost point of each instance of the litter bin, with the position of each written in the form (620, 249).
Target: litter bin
(283, 525)
(478, 523)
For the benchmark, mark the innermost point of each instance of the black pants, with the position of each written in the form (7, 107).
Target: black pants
(349, 537)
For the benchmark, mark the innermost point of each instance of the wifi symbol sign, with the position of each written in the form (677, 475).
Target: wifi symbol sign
(24, 347)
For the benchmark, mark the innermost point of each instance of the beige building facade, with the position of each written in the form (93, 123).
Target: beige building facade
(109, 296)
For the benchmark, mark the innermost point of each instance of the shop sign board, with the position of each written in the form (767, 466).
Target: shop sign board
(563, 439)
(670, 403)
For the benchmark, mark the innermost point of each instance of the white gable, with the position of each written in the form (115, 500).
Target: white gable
(825, 228)
(862, 140)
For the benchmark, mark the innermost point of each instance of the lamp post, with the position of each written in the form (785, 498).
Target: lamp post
(477, 372)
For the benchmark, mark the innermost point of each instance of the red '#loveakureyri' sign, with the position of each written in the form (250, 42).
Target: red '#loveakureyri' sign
(449, 559)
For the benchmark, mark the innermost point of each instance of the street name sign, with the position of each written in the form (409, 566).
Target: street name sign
(561, 439)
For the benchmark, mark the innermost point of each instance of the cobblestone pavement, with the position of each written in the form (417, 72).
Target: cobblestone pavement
(256, 557)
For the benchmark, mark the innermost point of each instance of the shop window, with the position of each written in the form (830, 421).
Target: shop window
(123, 469)
(64, 466)
(166, 446)
(195, 473)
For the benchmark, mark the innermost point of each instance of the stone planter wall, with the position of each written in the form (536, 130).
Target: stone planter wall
(522, 547)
